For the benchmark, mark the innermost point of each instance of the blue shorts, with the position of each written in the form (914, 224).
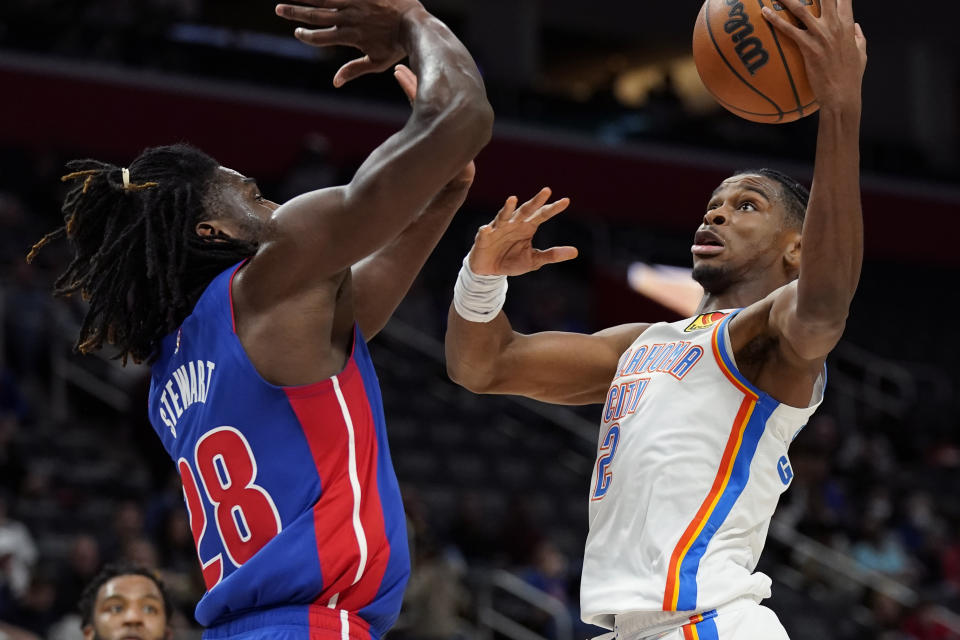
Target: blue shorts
(301, 622)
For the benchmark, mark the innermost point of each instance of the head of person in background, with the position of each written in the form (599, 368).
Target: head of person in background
(125, 601)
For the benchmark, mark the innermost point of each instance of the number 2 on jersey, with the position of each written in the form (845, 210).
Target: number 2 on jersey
(608, 449)
(245, 514)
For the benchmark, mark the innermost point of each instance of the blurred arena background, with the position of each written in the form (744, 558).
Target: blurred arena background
(599, 101)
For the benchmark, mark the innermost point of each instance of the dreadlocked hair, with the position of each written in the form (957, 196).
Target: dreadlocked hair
(137, 259)
(795, 194)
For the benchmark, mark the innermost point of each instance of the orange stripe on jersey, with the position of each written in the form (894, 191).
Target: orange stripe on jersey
(690, 632)
(723, 365)
(672, 591)
(719, 484)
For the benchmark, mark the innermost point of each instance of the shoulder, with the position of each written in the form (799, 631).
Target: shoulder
(764, 346)
(754, 322)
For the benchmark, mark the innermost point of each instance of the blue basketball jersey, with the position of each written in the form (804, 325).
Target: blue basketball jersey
(291, 492)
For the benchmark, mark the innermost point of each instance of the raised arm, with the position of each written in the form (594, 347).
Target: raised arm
(811, 317)
(484, 353)
(381, 280)
(322, 233)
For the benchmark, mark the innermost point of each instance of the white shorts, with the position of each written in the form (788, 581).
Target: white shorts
(740, 620)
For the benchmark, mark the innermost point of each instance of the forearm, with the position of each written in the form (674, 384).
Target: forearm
(832, 242)
(450, 124)
(450, 90)
(381, 281)
(473, 349)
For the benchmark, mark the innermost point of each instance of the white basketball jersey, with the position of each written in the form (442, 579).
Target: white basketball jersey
(691, 462)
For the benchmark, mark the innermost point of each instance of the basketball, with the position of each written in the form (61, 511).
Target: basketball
(752, 69)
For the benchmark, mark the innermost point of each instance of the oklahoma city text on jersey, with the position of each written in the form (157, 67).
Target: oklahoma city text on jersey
(691, 462)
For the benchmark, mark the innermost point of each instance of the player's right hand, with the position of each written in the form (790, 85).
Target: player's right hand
(833, 46)
(375, 27)
(505, 246)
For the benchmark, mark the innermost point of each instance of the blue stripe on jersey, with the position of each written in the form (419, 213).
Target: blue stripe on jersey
(725, 355)
(739, 476)
(707, 630)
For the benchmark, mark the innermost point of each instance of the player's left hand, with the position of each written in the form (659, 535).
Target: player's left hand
(373, 26)
(505, 246)
(407, 80)
(833, 46)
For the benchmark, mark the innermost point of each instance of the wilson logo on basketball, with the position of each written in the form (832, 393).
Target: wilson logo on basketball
(705, 320)
(749, 48)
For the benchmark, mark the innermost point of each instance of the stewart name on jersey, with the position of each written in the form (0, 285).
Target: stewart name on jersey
(291, 493)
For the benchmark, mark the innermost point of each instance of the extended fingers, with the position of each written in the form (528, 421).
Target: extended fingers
(786, 27)
(318, 17)
(356, 68)
(505, 213)
(553, 255)
(546, 212)
(845, 9)
(535, 202)
(799, 11)
(325, 4)
(323, 37)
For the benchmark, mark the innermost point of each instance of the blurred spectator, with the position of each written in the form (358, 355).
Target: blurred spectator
(923, 623)
(127, 528)
(887, 614)
(470, 530)
(36, 610)
(436, 600)
(141, 551)
(549, 572)
(12, 403)
(18, 552)
(12, 469)
(520, 536)
(28, 315)
(82, 565)
(879, 550)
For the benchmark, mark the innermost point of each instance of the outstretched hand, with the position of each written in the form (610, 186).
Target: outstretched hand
(375, 27)
(833, 46)
(505, 246)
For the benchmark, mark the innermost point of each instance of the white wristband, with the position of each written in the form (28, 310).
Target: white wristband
(478, 298)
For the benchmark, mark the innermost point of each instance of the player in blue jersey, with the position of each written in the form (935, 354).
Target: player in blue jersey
(254, 318)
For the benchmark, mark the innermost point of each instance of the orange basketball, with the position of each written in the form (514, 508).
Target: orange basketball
(751, 68)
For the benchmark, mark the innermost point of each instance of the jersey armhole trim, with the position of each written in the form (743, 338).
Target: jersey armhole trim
(721, 351)
(233, 315)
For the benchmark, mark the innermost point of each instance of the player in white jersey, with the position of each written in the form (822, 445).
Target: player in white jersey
(692, 454)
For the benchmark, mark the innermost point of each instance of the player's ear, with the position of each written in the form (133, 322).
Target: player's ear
(88, 632)
(791, 255)
(215, 229)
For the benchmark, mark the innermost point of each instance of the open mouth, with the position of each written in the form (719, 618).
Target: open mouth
(706, 243)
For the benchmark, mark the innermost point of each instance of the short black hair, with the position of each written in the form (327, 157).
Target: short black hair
(88, 598)
(796, 196)
(137, 257)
